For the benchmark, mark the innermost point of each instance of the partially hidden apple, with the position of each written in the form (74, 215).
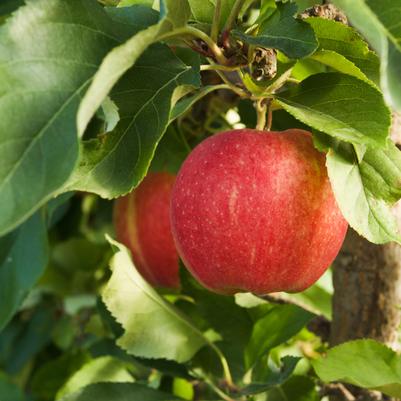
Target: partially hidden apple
(142, 223)
(254, 211)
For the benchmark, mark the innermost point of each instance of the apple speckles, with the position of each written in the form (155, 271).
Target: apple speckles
(259, 216)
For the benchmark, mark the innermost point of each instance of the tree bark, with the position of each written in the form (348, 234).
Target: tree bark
(367, 283)
(367, 295)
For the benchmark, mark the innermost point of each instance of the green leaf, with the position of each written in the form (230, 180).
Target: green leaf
(153, 327)
(99, 370)
(187, 102)
(341, 106)
(277, 326)
(171, 151)
(23, 266)
(274, 379)
(363, 190)
(8, 6)
(282, 31)
(9, 391)
(339, 62)
(296, 388)
(364, 363)
(317, 298)
(203, 10)
(119, 392)
(50, 51)
(378, 21)
(381, 172)
(336, 37)
(113, 164)
(123, 57)
(20, 341)
(50, 376)
(229, 320)
(127, 3)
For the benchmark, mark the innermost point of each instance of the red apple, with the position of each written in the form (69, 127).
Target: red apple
(254, 211)
(142, 223)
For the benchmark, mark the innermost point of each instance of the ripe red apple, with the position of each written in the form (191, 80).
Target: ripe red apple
(254, 211)
(142, 223)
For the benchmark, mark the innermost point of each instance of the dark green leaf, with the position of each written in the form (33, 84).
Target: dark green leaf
(296, 388)
(20, 341)
(277, 326)
(9, 391)
(378, 20)
(8, 6)
(24, 264)
(170, 152)
(122, 58)
(364, 363)
(113, 164)
(153, 327)
(50, 51)
(282, 31)
(51, 376)
(275, 378)
(231, 321)
(341, 106)
(119, 392)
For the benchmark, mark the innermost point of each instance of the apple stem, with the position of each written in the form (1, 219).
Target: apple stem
(269, 115)
(261, 108)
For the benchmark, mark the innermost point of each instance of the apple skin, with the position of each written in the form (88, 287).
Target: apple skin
(254, 211)
(142, 223)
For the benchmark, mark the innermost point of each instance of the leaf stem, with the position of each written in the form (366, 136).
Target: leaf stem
(240, 92)
(213, 67)
(280, 81)
(224, 364)
(233, 15)
(216, 389)
(216, 22)
(261, 108)
(293, 80)
(197, 33)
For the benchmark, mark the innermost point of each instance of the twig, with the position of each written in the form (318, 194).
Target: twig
(319, 325)
(337, 389)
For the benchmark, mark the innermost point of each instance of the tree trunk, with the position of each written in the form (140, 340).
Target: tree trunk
(367, 294)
